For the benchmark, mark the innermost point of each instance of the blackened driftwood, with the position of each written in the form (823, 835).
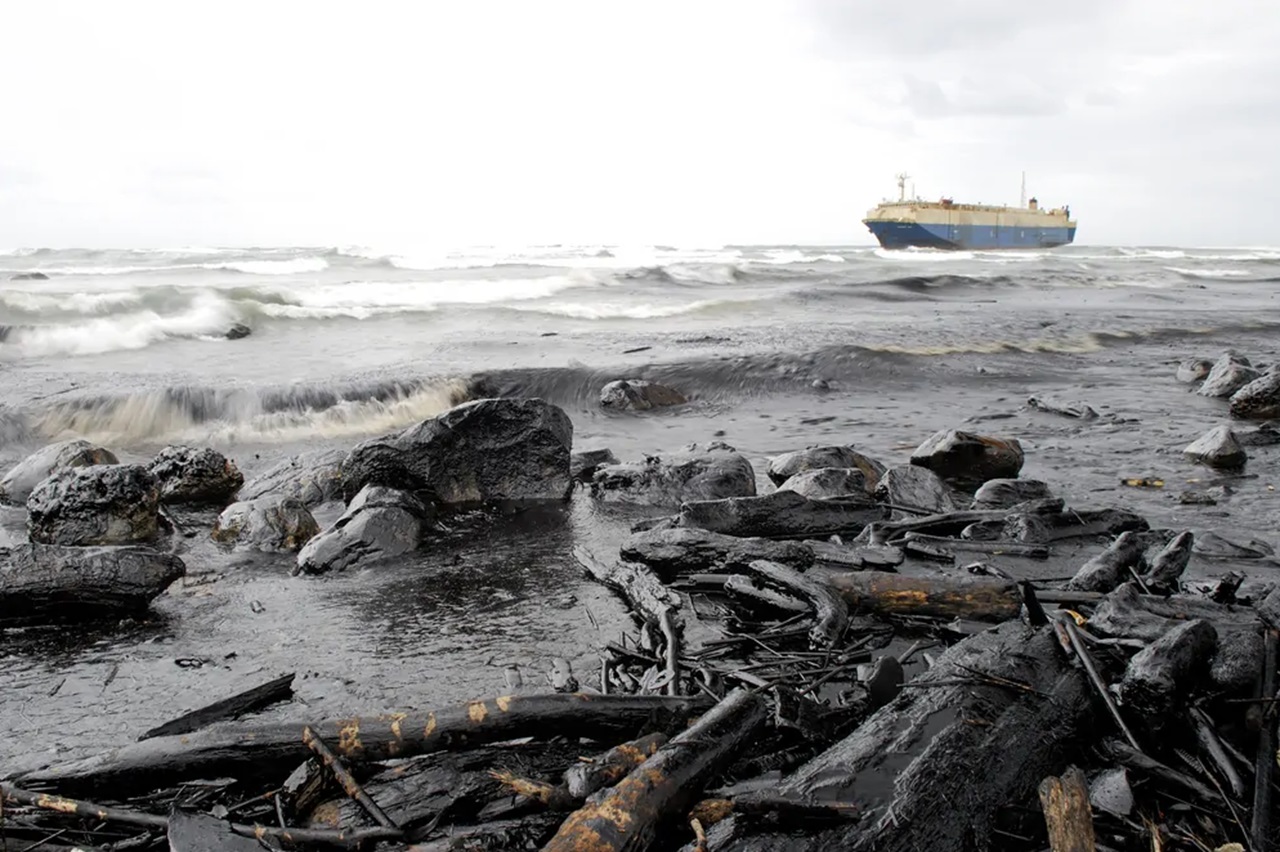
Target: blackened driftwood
(1110, 568)
(345, 779)
(280, 689)
(254, 750)
(673, 552)
(1265, 764)
(527, 832)
(1065, 802)
(1167, 565)
(1073, 524)
(752, 592)
(991, 548)
(978, 598)
(781, 514)
(830, 610)
(628, 816)
(634, 581)
(585, 777)
(1159, 676)
(42, 583)
(928, 768)
(945, 523)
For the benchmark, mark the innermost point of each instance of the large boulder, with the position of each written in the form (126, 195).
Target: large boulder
(100, 504)
(274, 524)
(968, 460)
(708, 472)
(191, 475)
(639, 395)
(1230, 373)
(43, 583)
(1217, 448)
(782, 513)
(381, 522)
(787, 465)
(915, 487)
(1259, 399)
(486, 450)
(827, 482)
(22, 479)
(314, 478)
(1193, 370)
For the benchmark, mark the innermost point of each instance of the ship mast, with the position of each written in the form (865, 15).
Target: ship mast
(902, 186)
(1022, 199)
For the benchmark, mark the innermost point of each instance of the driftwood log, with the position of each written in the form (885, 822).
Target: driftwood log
(929, 769)
(248, 701)
(244, 750)
(628, 816)
(1065, 802)
(1159, 676)
(978, 598)
(831, 613)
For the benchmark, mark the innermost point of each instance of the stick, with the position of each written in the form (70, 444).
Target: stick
(349, 784)
(1208, 739)
(342, 837)
(248, 701)
(1260, 830)
(1078, 645)
(672, 651)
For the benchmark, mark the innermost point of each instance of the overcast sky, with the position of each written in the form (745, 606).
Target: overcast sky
(690, 122)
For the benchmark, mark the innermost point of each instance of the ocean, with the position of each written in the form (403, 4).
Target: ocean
(778, 348)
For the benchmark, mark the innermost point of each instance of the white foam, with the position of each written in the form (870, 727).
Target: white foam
(617, 310)
(294, 266)
(922, 255)
(207, 315)
(82, 303)
(1208, 273)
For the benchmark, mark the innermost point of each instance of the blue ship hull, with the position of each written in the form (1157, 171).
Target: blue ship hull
(894, 235)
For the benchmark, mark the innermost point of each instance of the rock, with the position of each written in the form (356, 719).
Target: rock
(638, 395)
(583, 464)
(100, 504)
(915, 487)
(1110, 792)
(712, 472)
(273, 524)
(1007, 493)
(481, 451)
(381, 522)
(820, 385)
(1217, 448)
(1077, 410)
(827, 482)
(238, 331)
(968, 459)
(782, 514)
(682, 551)
(29, 276)
(1258, 400)
(190, 475)
(314, 478)
(22, 479)
(785, 466)
(1230, 373)
(1193, 370)
(42, 583)
(1266, 435)
(1212, 545)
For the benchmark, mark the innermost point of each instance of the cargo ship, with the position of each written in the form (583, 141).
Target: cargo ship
(944, 224)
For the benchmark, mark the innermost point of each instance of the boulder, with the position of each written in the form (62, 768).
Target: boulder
(638, 395)
(1193, 370)
(273, 524)
(238, 330)
(191, 475)
(1217, 448)
(42, 583)
(100, 504)
(1259, 399)
(968, 460)
(314, 478)
(583, 464)
(782, 514)
(1007, 493)
(915, 487)
(708, 472)
(22, 479)
(489, 449)
(29, 276)
(677, 551)
(1230, 373)
(827, 482)
(787, 465)
(381, 522)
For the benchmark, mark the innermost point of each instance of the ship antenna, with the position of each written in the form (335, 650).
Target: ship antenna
(902, 186)
(1023, 198)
